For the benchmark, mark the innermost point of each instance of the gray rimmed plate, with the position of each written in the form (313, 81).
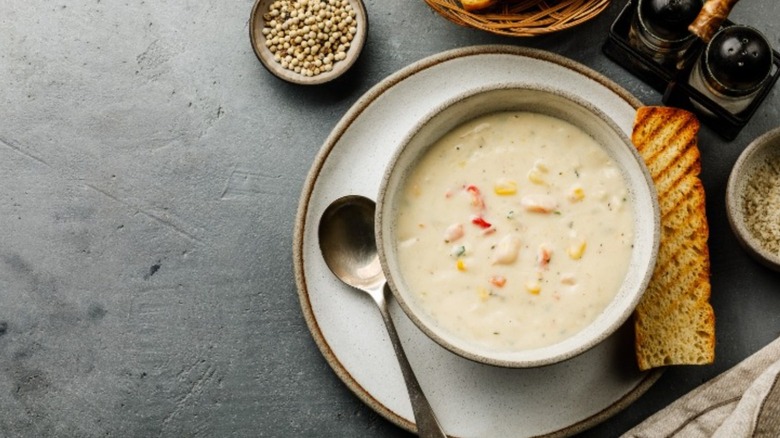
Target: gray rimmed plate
(470, 399)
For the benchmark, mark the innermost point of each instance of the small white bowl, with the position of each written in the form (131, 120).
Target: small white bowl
(555, 103)
(755, 154)
(258, 40)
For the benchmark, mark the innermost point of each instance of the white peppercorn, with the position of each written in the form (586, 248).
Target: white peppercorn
(309, 36)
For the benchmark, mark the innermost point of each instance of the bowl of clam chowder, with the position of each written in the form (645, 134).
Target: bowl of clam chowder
(517, 226)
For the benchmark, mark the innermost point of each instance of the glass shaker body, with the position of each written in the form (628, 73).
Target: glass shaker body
(659, 30)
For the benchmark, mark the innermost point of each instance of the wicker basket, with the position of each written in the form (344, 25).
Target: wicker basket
(522, 18)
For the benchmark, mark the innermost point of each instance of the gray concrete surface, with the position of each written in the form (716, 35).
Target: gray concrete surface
(149, 177)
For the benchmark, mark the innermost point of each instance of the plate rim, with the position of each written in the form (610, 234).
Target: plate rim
(330, 143)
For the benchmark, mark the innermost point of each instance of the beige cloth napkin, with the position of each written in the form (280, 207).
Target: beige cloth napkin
(742, 402)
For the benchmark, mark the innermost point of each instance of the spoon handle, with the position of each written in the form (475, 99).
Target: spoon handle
(427, 424)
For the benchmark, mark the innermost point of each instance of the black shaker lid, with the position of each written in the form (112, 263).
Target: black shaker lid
(669, 19)
(739, 58)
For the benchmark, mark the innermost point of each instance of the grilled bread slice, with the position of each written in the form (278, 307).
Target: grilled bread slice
(674, 321)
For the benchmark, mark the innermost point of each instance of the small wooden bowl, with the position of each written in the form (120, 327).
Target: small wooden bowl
(256, 37)
(755, 154)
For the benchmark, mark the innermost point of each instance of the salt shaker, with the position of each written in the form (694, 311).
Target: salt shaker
(659, 29)
(733, 67)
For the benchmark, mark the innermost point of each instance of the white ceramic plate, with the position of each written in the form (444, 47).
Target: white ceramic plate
(471, 400)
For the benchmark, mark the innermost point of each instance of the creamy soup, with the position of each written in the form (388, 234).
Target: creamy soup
(515, 230)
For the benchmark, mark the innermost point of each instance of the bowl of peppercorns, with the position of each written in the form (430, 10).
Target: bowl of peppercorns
(752, 201)
(308, 42)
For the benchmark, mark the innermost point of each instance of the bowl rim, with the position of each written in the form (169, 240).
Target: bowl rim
(734, 187)
(631, 300)
(257, 39)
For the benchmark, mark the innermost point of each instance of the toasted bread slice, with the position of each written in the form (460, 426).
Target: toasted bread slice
(674, 322)
(476, 5)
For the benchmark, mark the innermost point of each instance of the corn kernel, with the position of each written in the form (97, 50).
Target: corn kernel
(461, 265)
(577, 194)
(577, 250)
(533, 287)
(540, 166)
(535, 176)
(483, 294)
(505, 187)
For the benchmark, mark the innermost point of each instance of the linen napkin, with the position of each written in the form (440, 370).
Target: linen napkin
(742, 402)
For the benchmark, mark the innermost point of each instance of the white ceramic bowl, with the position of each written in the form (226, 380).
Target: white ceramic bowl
(555, 103)
(754, 155)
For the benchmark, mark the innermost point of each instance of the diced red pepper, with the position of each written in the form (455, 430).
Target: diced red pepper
(497, 280)
(544, 256)
(480, 222)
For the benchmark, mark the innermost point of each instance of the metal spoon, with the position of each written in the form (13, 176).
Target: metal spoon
(346, 235)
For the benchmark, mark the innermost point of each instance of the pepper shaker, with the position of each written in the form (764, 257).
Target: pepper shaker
(659, 29)
(733, 68)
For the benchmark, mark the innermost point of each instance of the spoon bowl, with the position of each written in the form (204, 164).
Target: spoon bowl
(347, 242)
(348, 245)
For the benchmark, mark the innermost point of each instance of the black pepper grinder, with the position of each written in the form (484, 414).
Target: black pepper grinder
(659, 29)
(735, 64)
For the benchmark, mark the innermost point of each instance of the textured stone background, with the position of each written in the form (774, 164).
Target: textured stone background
(149, 177)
